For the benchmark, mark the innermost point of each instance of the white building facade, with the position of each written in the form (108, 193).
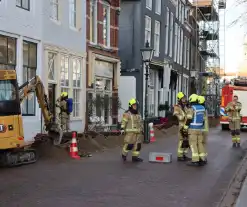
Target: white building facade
(46, 38)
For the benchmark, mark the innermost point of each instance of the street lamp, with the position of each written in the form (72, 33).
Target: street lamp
(147, 55)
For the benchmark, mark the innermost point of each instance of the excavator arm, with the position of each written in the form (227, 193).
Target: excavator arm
(35, 85)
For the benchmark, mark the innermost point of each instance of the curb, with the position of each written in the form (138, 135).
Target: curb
(230, 196)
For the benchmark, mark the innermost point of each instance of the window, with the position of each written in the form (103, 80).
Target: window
(182, 13)
(181, 47)
(147, 29)
(72, 13)
(24, 4)
(178, 9)
(185, 51)
(70, 75)
(149, 4)
(171, 35)
(7, 52)
(176, 42)
(51, 65)
(7, 90)
(93, 21)
(77, 73)
(29, 71)
(188, 54)
(158, 6)
(167, 30)
(64, 74)
(106, 25)
(185, 84)
(157, 39)
(54, 9)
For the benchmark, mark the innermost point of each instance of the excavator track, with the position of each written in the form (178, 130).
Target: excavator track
(20, 157)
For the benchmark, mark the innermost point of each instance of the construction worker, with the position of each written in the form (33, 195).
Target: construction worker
(233, 110)
(193, 127)
(180, 113)
(132, 128)
(201, 100)
(64, 114)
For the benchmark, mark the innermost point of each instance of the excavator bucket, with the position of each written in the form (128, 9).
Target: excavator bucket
(55, 133)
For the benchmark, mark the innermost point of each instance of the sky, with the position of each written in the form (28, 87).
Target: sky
(234, 36)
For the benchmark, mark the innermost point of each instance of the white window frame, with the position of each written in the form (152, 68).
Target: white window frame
(177, 9)
(72, 12)
(167, 26)
(148, 29)
(182, 7)
(158, 7)
(180, 11)
(178, 6)
(20, 4)
(186, 85)
(149, 4)
(54, 14)
(108, 25)
(176, 43)
(52, 64)
(181, 47)
(171, 35)
(157, 39)
(94, 6)
(185, 51)
(70, 87)
(188, 54)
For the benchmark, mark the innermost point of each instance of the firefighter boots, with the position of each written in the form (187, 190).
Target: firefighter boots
(137, 159)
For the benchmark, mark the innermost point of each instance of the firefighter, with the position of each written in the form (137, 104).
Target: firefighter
(180, 113)
(201, 100)
(233, 110)
(132, 128)
(61, 103)
(193, 127)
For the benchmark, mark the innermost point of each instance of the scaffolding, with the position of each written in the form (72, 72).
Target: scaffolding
(211, 46)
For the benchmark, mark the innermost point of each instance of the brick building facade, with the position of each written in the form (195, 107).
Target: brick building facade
(103, 63)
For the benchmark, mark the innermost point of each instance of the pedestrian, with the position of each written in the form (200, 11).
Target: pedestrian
(180, 112)
(233, 110)
(132, 128)
(62, 104)
(193, 127)
(201, 100)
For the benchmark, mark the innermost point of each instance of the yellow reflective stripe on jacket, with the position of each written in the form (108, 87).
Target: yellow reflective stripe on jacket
(132, 130)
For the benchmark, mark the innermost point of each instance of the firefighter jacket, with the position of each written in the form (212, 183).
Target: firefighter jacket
(132, 123)
(62, 104)
(180, 113)
(233, 111)
(197, 114)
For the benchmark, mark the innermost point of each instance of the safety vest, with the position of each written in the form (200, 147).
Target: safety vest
(198, 118)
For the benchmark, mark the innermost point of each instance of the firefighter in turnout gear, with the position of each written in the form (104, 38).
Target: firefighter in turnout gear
(194, 125)
(132, 128)
(201, 100)
(180, 113)
(233, 110)
(61, 103)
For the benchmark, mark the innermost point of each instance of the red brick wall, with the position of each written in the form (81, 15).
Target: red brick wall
(113, 30)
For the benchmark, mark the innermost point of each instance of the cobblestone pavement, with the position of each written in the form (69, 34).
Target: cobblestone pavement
(104, 181)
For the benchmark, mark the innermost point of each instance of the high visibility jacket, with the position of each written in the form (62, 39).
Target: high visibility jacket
(132, 123)
(197, 114)
(234, 111)
(180, 113)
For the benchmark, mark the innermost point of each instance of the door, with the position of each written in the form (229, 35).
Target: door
(52, 98)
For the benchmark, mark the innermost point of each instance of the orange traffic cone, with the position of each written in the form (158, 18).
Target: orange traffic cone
(73, 147)
(151, 132)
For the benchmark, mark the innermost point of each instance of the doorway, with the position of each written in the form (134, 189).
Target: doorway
(52, 98)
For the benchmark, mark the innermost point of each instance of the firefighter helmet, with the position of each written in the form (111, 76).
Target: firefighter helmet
(193, 98)
(180, 95)
(132, 102)
(201, 99)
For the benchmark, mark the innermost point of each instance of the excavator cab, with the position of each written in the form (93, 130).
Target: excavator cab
(11, 127)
